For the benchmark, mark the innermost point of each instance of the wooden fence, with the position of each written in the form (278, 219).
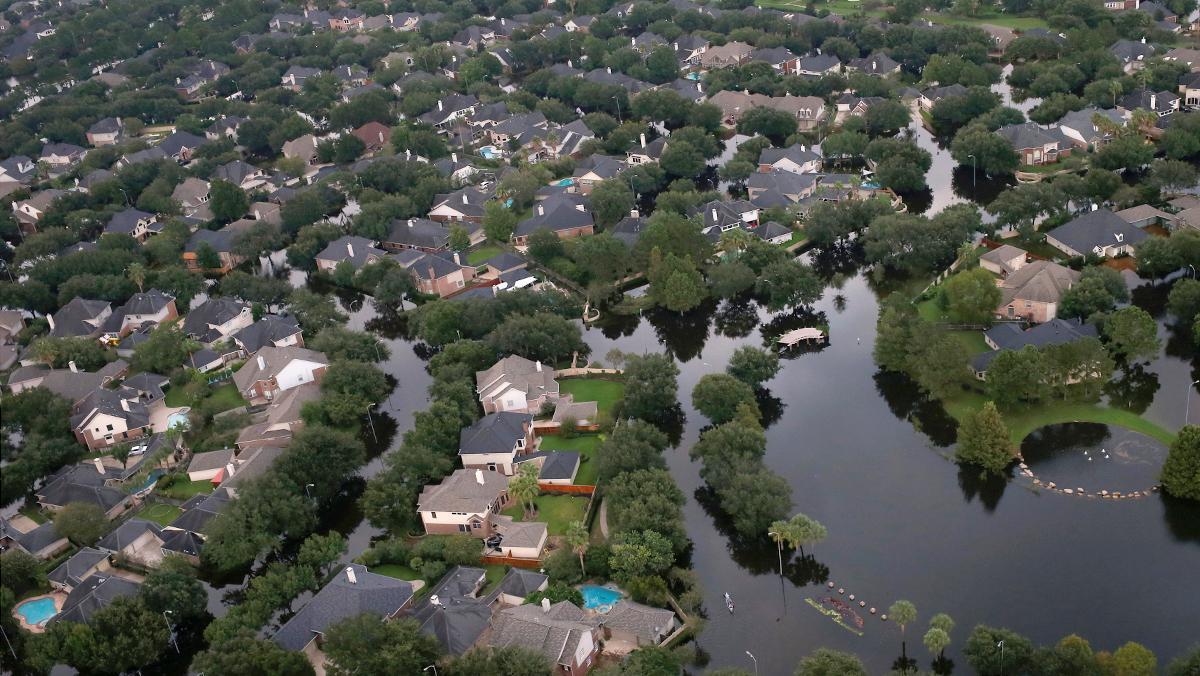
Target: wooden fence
(492, 559)
(566, 489)
(586, 371)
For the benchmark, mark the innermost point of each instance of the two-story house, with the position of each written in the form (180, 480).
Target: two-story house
(496, 440)
(467, 501)
(272, 370)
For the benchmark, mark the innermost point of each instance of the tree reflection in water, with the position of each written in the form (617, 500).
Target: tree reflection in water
(989, 488)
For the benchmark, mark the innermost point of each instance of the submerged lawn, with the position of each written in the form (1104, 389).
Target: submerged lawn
(1021, 423)
(556, 511)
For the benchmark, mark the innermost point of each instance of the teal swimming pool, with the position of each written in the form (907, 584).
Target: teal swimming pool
(38, 611)
(178, 419)
(600, 599)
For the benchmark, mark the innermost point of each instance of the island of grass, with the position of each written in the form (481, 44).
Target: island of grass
(556, 511)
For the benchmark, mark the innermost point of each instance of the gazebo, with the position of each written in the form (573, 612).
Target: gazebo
(793, 337)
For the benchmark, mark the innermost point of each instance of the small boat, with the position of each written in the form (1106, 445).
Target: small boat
(729, 602)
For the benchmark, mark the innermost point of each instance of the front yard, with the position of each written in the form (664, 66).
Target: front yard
(556, 511)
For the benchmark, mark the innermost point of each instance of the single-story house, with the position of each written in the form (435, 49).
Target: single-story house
(1099, 232)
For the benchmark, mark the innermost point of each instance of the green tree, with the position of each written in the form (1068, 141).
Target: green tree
(633, 445)
(498, 221)
(348, 388)
(207, 257)
(366, 644)
(717, 396)
(338, 342)
(314, 311)
(972, 296)
(245, 655)
(22, 572)
(827, 662)
(1157, 257)
(903, 613)
(81, 522)
(776, 125)
(507, 661)
(578, 538)
(1181, 472)
(1015, 377)
(164, 351)
(936, 641)
(1186, 664)
(122, 636)
(1073, 655)
(136, 272)
(651, 661)
(227, 201)
(174, 589)
(675, 283)
(980, 148)
(753, 366)
(524, 489)
(612, 200)
(647, 499)
(651, 387)
(459, 239)
(1131, 659)
(789, 283)
(730, 278)
(987, 657)
(983, 440)
(682, 159)
(1184, 300)
(1132, 333)
(640, 553)
(939, 366)
(543, 336)
(1090, 295)
(798, 531)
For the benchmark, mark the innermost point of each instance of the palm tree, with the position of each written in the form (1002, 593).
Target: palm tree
(936, 641)
(903, 613)
(805, 530)
(524, 487)
(942, 621)
(137, 274)
(579, 539)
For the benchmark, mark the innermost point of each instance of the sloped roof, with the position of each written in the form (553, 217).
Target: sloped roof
(341, 599)
(1097, 228)
(96, 592)
(645, 622)
(458, 618)
(465, 490)
(1039, 281)
(72, 571)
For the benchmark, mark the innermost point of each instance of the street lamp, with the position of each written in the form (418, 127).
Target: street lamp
(972, 171)
(618, 101)
(371, 420)
(432, 666)
(1187, 405)
(171, 630)
(755, 659)
(780, 543)
(1000, 645)
(307, 492)
(127, 202)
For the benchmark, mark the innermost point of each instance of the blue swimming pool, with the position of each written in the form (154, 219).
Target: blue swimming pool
(151, 479)
(566, 182)
(178, 419)
(38, 611)
(600, 599)
(489, 153)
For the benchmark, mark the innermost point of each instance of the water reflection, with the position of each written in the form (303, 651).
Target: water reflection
(737, 318)
(1094, 456)
(907, 402)
(1133, 389)
(975, 483)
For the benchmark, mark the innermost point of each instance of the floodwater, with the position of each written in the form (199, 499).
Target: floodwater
(867, 456)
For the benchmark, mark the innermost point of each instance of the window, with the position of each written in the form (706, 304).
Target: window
(433, 515)
(1028, 305)
(109, 428)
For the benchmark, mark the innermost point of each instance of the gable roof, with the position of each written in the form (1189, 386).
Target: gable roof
(1097, 228)
(494, 433)
(269, 360)
(79, 483)
(77, 318)
(554, 632)
(96, 592)
(1010, 337)
(353, 591)
(72, 571)
(465, 490)
(125, 534)
(266, 331)
(1039, 281)
(457, 618)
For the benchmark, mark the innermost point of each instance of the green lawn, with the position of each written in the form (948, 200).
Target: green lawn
(184, 490)
(221, 398)
(478, 256)
(585, 445)
(493, 573)
(556, 511)
(1021, 423)
(1019, 23)
(605, 393)
(843, 7)
(160, 513)
(34, 512)
(396, 570)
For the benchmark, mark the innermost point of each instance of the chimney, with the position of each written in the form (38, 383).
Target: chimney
(633, 42)
(349, 250)
(579, 207)
(714, 213)
(1154, 102)
(633, 213)
(1095, 207)
(439, 104)
(381, 137)
(125, 405)
(642, 137)
(407, 155)
(700, 87)
(608, 69)
(538, 365)
(350, 575)
(464, 196)
(1143, 41)
(545, 605)
(262, 363)
(803, 148)
(434, 600)
(456, 259)
(71, 365)
(454, 157)
(479, 477)
(99, 465)
(541, 210)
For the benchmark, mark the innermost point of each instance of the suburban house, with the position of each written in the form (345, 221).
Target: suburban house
(1161, 103)
(69, 383)
(1003, 260)
(29, 211)
(464, 204)
(1034, 144)
(60, 157)
(81, 483)
(296, 76)
(242, 174)
(453, 612)
(272, 370)
(876, 63)
(1032, 291)
(1144, 216)
(208, 465)
(516, 384)
(83, 564)
(220, 242)
(107, 417)
(192, 196)
(97, 591)
(1080, 127)
(639, 625)
(15, 172)
(303, 148)
(564, 214)
(1011, 337)
(1131, 53)
(930, 96)
(646, 152)
(41, 542)
(281, 420)
(796, 158)
(1189, 89)
(352, 249)
(730, 54)
(352, 592)
(816, 65)
(594, 169)
(269, 330)
(467, 501)
(421, 234)
(1099, 232)
(560, 632)
(436, 273)
(80, 317)
(150, 307)
(133, 222)
(216, 319)
(105, 132)
(375, 136)
(495, 441)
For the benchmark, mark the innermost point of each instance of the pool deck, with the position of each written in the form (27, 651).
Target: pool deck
(160, 418)
(57, 596)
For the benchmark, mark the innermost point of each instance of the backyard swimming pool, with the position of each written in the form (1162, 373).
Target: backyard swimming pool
(37, 612)
(489, 153)
(178, 419)
(566, 182)
(600, 599)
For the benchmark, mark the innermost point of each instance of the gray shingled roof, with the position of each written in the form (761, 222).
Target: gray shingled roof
(72, 571)
(458, 618)
(96, 592)
(266, 331)
(72, 318)
(494, 433)
(465, 490)
(1097, 228)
